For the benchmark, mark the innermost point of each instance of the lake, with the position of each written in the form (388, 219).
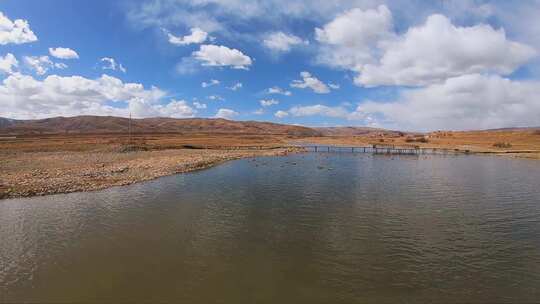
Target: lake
(308, 228)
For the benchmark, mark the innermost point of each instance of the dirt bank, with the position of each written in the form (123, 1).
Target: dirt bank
(513, 143)
(41, 173)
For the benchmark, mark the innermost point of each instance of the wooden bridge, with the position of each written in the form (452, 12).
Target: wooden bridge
(373, 149)
(384, 149)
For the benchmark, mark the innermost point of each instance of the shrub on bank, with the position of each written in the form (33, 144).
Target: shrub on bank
(417, 139)
(502, 145)
(132, 148)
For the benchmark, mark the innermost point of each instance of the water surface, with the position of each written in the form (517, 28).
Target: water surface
(313, 228)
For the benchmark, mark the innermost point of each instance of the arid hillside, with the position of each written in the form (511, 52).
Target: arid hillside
(88, 132)
(108, 124)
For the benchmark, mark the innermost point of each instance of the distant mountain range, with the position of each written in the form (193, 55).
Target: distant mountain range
(6, 122)
(109, 124)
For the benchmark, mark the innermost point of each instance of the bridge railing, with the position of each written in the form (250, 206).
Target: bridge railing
(378, 149)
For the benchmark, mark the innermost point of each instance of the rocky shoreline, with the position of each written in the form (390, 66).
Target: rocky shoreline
(44, 173)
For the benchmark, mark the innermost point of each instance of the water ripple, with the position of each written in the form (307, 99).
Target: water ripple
(287, 230)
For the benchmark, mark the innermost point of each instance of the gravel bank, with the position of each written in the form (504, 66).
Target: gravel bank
(42, 173)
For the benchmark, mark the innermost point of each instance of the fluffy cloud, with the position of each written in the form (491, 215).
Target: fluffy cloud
(357, 27)
(216, 98)
(268, 102)
(439, 50)
(111, 64)
(281, 114)
(226, 113)
(235, 86)
(309, 81)
(16, 32)
(223, 15)
(364, 41)
(218, 55)
(212, 82)
(352, 38)
(464, 102)
(229, 17)
(8, 63)
(278, 90)
(334, 86)
(460, 103)
(23, 96)
(60, 65)
(199, 105)
(328, 111)
(319, 110)
(175, 108)
(197, 36)
(63, 53)
(281, 42)
(40, 64)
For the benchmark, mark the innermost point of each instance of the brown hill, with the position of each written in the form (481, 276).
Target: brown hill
(6, 122)
(108, 124)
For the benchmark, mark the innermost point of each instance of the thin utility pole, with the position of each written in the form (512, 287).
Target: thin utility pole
(129, 128)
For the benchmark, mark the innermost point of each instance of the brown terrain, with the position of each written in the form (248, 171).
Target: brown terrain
(60, 155)
(520, 142)
(108, 124)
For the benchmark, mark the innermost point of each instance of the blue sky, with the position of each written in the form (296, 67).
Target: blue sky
(415, 65)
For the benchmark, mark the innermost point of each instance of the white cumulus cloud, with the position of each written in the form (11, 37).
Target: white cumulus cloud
(236, 86)
(216, 98)
(309, 81)
(268, 102)
(63, 53)
(111, 64)
(334, 86)
(15, 32)
(439, 50)
(22, 96)
(218, 55)
(352, 38)
(8, 63)
(174, 108)
(278, 90)
(460, 103)
(197, 36)
(60, 65)
(282, 42)
(281, 114)
(210, 83)
(319, 110)
(226, 113)
(365, 42)
(39, 64)
(199, 105)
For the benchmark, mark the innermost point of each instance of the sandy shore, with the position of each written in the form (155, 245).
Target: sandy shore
(41, 173)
